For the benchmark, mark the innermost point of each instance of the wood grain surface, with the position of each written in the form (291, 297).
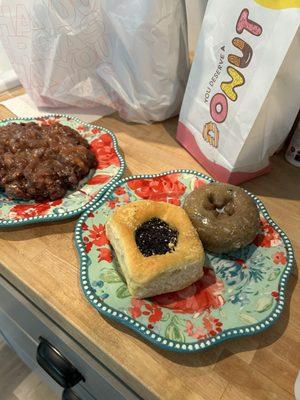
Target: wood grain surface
(41, 261)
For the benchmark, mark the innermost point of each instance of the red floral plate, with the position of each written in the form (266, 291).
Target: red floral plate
(109, 169)
(240, 294)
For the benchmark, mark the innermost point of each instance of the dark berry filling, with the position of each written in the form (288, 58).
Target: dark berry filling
(155, 237)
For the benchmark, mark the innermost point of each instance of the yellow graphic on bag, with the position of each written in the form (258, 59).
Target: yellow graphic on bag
(279, 4)
(237, 79)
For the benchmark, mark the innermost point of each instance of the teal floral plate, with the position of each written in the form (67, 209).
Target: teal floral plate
(109, 169)
(240, 294)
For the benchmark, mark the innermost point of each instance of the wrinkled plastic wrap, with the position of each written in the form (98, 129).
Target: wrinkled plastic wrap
(129, 56)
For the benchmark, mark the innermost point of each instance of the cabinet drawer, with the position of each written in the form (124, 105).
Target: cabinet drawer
(99, 382)
(25, 347)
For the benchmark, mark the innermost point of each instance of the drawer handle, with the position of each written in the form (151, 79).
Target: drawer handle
(68, 394)
(56, 365)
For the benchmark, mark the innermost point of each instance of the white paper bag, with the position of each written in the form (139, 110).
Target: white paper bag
(243, 92)
(128, 56)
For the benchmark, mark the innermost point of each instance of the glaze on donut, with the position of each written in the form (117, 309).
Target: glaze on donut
(225, 216)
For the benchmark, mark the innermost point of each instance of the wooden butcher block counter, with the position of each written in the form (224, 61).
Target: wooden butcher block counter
(40, 263)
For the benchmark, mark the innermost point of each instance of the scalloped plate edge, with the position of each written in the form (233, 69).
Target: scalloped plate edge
(69, 214)
(161, 341)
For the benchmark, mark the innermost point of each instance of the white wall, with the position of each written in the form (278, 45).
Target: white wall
(4, 61)
(8, 77)
(195, 12)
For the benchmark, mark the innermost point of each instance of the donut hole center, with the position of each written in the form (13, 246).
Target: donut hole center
(155, 236)
(221, 204)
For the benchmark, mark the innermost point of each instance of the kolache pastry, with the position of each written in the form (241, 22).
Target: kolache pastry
(157, 247)
(225, 216)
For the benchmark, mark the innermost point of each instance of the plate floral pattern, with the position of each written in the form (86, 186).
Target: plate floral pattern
(109, 169)
(241, 293)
